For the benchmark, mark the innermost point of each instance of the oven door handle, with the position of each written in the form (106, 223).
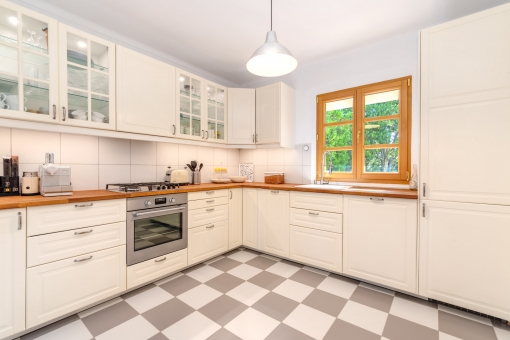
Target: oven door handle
(157, 211)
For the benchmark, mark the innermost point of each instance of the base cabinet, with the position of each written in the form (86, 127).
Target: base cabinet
(273, 221)
(250, 216)
(207, 241)
(235, 218)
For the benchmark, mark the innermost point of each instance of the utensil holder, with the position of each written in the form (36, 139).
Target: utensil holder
(196, 177)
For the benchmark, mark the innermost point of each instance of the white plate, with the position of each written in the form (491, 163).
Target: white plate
(221, 180)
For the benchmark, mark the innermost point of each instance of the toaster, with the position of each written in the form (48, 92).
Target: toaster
(179, 177)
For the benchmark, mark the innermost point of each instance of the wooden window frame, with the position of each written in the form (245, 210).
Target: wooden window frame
(404, 85)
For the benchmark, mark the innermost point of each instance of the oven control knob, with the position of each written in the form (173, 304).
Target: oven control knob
(148, 203)
(172, 200)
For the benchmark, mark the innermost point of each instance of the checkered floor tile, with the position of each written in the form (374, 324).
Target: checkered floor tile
(246, 295)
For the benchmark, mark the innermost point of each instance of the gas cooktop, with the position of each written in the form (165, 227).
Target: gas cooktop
(149, 186)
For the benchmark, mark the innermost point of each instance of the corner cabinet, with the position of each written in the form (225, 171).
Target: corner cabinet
(250, 218)
(145, 94)
(273, 222)
(241, 116)
(235, 218)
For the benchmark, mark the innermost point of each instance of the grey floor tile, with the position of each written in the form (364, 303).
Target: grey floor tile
(261, 262)
(223, 310)
(225, 264)
(108, 318)
(158, 336)
(400, 329)
(343, 278)
(138, 291)
(223, 334)
(284, 332)
(167, 313)
(371, 298)
(464, 328)
(267, 280)
(325, 302)
(416, 300)
(232, 252)
(252, 251)
(292, 263)
(341, 330)
(224, 282)
(308, 278)
(189, 270)
(50, 328)
(180, 285)
(275, 305)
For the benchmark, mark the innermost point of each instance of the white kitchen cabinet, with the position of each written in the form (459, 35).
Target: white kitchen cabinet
(316, 201)
(465, 96)
(241, 116)
(200, 195)
(203, 216)
(250, 218)
(208, 202)
(379, 241)
(145, 94)
(28, 64)
(13, 233)
(464, 255)
(273, 222)
(215, 115)
(61, 287)
(316, 220)
(87, 79)
(235, 218)
(207, 241)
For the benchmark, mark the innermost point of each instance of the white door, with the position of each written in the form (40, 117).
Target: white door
(87, 79)
(207, 241)
(465, 77)
(145, 94)
(250, 216)
(241, 116)
(13, 233)
(216, 119)
(379, 237)
(273, 222)
(189, 106)
(464, 252)
(235, 218)
(28, 64)
(268, 114)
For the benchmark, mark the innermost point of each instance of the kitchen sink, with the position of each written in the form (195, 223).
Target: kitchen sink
(323, 186)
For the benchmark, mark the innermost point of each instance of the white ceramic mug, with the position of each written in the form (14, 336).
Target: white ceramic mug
(12, 101)
(3, 96)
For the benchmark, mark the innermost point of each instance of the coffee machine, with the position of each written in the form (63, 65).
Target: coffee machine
(9, 182)
(55, 180)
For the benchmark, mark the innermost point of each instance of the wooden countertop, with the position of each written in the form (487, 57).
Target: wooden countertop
(98, 195)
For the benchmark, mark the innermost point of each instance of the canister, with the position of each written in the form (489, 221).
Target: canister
(30, 183)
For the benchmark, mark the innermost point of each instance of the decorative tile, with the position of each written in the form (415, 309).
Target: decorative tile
(285, 332)
(224, 282)
(344, 330)
(283, 269)
(205, 273)
(415, 312)
(308, 278)
(275, 305)
(199, 296)
(372, 298)
(179, 285)
(247, 293)
(252, 325)
(244, 271)
(136, 328)
(242, 256)
(109, 318)
(148, 299)
(465, 329)
(195, 326)
(363, 316)
(223, 310)
(337, 287)
(168, 313)
(293, 290)
(400, 329)
(310, 321)
(267, 280)
(325, 302)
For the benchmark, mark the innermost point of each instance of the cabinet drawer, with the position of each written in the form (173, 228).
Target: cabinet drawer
(203, 216)
(54, 218)
(200, 195)
(208, 202)
(58, 246)
(207, 241)
(316, 219)
(316, 247)
(316, 201)
(61, 287)
(152, 269)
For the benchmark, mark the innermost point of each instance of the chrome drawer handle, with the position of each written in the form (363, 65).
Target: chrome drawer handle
(83, 232)
(83, 205)
(20, 221)
(211, 226)
(211, 209)
(85, 259)
(376, 199)
(156, 211)
(160, 260)
(209, 201)
(313, 213)
(209, 192)
(275, 191)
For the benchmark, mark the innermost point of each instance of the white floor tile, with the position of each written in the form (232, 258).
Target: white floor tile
(205, 273)
(136, 328)
(462, 314)
(244, 271)
(293, 290)
(363, 316)
(167, 279)
(149, 299)
(423, 315)
(199, 296)
(444, 336)
(271, 257)
(501, 334)
(214, 260)
(97, 308)
(337, 287)
(242, 256)
(193, 327)
(310, 321)
(377, 288)
(75, 330)
(252, 325)
(282, 269)
(247, 293)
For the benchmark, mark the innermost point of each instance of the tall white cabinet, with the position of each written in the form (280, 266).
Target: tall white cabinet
(273, 221)
(13, 233)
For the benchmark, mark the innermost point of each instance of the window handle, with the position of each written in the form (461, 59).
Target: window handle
(359, 131)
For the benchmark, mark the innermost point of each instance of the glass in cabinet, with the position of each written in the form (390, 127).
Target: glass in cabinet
(189, 106)
(215, 113)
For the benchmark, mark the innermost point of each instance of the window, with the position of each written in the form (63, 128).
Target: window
(366, 132)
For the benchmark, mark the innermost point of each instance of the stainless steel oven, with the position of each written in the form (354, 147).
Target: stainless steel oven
(156, 225)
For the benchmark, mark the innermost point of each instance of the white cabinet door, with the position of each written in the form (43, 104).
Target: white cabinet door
(215, 115)
(250, 217)
(28, 65)
(241, 116)
(207, 241)
(145, 94)
(273, 221)
(464, 252)
(235, 218)
(87, 79)
(316, 201)
(189, 106)
(316, 220)
(379, 237)
(268, 114)
(13, 233)
(203, 216)
(465, 100)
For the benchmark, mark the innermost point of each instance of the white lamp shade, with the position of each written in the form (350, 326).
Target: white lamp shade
(271, 59)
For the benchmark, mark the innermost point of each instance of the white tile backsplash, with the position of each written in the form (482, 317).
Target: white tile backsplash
(293, 174)
(84, 176)
(307, 174)
(260, 156)
(167, 154)
(32, 146)
(246, 156)
(275, 156)
(79, 149)
(233, 157)
(205, 155)
(295, 163)
(114, 151)
(111, 174)
(143, 153)
(187, 153)
(143, 173)
(294, 156)
(220, 157)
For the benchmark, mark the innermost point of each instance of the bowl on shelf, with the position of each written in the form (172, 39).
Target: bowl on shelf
(98, 117)
(238, 179)
(79, 114)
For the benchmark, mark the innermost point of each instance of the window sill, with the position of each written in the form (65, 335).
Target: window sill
(370, 185)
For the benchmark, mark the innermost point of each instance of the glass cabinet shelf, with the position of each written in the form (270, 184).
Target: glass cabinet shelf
(8, 40)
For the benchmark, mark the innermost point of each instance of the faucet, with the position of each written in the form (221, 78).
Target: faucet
(322, 166)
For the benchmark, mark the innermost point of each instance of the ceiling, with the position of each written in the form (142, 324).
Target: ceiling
(220, 36)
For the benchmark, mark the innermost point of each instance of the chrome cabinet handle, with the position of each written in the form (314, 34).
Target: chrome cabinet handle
(424, 190)
(209, 192)
(160, 260)
(210, 226)
(63, 113)
(54, 111)
(313, 213)
(209, 201)
(156, 211)
(210, 209)
(231, 193)
(20, 221)
(203, 134)
(85, 259)
(376, 199)
(253, 138)
(275, 191)
(256, 138)
(423, 210)
(175, 129)
(83, 205)
(83, 232)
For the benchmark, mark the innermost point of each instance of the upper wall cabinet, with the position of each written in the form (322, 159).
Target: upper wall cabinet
(145, 94)
(241, 116)
(215, 129)
(87, 79)
(28, 64)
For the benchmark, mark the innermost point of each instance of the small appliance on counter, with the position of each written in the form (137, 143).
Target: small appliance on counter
(30, 183)
(9, 182)
(55, 179)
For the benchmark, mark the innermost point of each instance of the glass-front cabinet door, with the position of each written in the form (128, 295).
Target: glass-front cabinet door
(189, 106)
(28, 64)
(87, 79)
(216, 115)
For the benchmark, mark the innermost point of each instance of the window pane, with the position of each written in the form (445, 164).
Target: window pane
(184, 85)
(381, 104)
(78, 103)
(196, 126)
(34, 34)
(37, 96)
(184, 105)
(220, 133)
(340, 135)
(8, 92)
(339, 111)
(9, 26)
(99, 56)
(77, 77)
(211, 111)
(36, 66)
(100, 109)
(100, 82)
(381, 132)
(185, 124)
(9, 59)
(342, 161)
(77, 49)
(381, 160)
(211, 128)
